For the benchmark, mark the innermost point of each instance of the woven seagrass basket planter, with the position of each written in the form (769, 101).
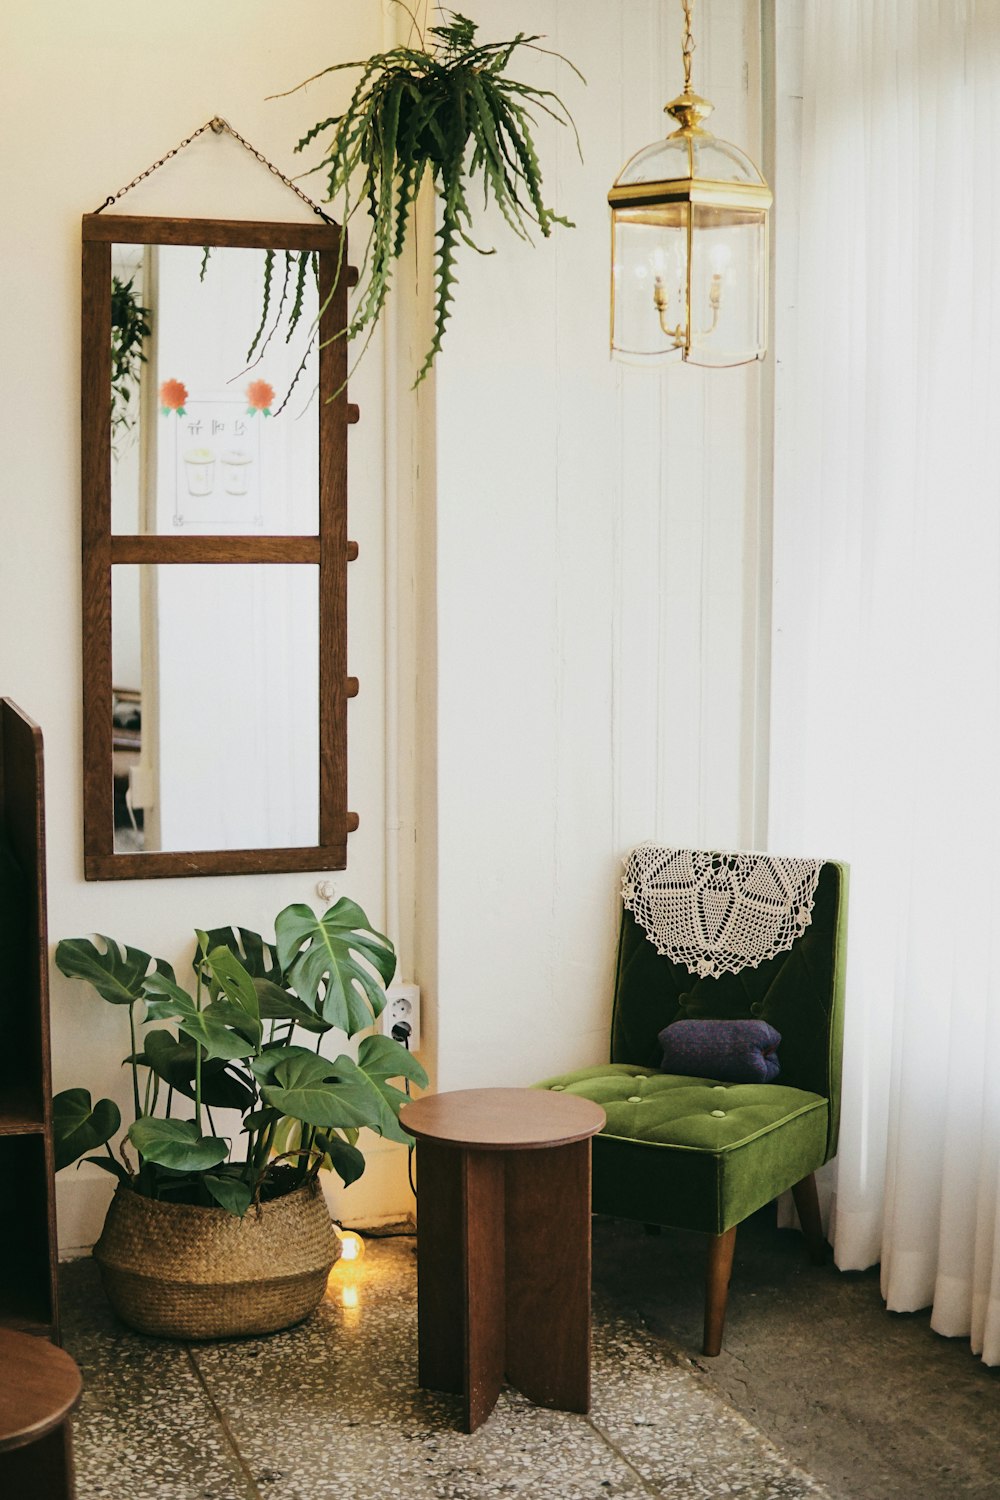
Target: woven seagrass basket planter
(200, 1273)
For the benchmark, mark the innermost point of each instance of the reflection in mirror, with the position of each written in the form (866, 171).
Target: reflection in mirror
(215, 734)
(214, 390)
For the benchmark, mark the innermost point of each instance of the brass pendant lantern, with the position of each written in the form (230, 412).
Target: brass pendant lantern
(689, 245)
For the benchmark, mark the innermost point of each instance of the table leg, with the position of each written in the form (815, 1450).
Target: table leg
(548, 1275)
(460, 1273)
(42, 1470)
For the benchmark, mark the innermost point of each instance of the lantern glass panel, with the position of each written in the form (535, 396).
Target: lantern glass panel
(679, 157)
(649, 268)
(728, 285)
(719, 161)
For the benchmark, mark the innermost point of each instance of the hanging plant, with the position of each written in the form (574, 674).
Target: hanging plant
(449, 113)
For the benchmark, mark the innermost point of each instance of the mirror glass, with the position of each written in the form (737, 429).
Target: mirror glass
(214, 390)
(215, 706)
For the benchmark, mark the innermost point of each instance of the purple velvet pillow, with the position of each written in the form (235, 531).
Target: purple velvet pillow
(738, 1051)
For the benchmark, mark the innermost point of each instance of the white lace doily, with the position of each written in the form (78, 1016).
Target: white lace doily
(719, 912)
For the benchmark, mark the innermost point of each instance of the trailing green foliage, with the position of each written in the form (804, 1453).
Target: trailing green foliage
(232, 1047)
(129, 326)
(448, 114)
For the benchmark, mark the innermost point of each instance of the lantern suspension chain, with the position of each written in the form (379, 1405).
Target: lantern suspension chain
(687, 47)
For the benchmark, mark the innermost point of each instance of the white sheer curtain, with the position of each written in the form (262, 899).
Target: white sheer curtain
(886, 668)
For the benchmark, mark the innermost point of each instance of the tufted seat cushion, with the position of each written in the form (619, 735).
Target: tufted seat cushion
(694, 1152)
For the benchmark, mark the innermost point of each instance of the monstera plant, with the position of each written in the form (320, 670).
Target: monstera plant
(233, 1045)
(446, 112)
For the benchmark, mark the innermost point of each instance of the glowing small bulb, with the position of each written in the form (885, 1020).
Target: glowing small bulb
(352, 1246)
(718, 258)
(349, 1296)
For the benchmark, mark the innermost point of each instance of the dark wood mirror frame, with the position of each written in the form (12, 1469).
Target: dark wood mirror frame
(330, 550)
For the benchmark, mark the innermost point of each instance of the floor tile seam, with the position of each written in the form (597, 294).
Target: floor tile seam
(609, 1443)
(252, 1490)
(704, 1380)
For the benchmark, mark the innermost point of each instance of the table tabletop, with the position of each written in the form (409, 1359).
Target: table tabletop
(502, 1119)
(39, 1386)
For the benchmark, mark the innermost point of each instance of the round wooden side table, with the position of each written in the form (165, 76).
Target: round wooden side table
(39, 1387)
(503, 1245)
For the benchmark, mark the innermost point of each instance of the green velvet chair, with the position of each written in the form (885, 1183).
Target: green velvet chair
(694, 1153)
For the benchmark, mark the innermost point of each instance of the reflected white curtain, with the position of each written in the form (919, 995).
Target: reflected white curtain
(886, 668)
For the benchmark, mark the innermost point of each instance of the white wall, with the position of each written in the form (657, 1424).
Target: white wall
(596, 570)
(93, 93)
(567, 644)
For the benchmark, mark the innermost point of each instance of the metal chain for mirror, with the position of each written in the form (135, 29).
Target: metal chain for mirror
(218, 125)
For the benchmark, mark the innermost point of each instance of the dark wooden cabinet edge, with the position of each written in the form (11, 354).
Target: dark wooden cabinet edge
(22, 777)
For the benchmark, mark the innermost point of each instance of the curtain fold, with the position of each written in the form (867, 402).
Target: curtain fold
(885, 735)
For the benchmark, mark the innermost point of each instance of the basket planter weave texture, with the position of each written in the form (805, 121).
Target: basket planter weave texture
(201, 1273)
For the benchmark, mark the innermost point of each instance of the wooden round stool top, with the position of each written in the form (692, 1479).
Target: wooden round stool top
(39, 1387)
(502, 1119)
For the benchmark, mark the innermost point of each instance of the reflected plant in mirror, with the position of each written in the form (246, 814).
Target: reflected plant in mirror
(281, 309)
(129, 327)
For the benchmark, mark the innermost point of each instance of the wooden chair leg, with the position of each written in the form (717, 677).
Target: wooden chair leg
(720, 1266)
(807, 1204)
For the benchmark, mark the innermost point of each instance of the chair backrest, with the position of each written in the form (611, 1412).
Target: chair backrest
(799, 992)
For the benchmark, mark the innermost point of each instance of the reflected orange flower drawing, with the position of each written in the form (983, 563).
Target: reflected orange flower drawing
(260, 397)
(173, 397)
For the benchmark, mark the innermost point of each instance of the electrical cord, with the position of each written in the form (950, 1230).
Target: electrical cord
(401, 1033)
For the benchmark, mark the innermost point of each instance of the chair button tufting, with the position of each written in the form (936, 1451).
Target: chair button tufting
(718, 1085)
(719, 1114)
(556, 1088)
(634, 1099)
(756, 1008)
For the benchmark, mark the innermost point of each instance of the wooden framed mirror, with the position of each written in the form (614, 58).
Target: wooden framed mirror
(215, 548)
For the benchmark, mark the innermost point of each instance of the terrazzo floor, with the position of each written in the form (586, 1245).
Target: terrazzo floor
(331, 1411)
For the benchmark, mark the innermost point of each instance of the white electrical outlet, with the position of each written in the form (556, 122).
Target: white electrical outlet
(402, 1007)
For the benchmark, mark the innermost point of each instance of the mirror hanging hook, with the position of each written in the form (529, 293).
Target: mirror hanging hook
(217, 124)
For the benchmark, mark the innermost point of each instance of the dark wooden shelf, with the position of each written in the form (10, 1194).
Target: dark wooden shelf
(20, 1113)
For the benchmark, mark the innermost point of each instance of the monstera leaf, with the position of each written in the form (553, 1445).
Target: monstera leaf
(380, 1058)
(117, 975)
(366, 1084)
(177, 1144)
(234, 1016)
(344, 1093)
(277, 1004)
(227, 977)
(341, 1157)
(301, 1087)
(257, 957)
(172, 1059)
(320, 956)
(168, 1002)
(79, 1126)
(273, 1055)
(229, 1191)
